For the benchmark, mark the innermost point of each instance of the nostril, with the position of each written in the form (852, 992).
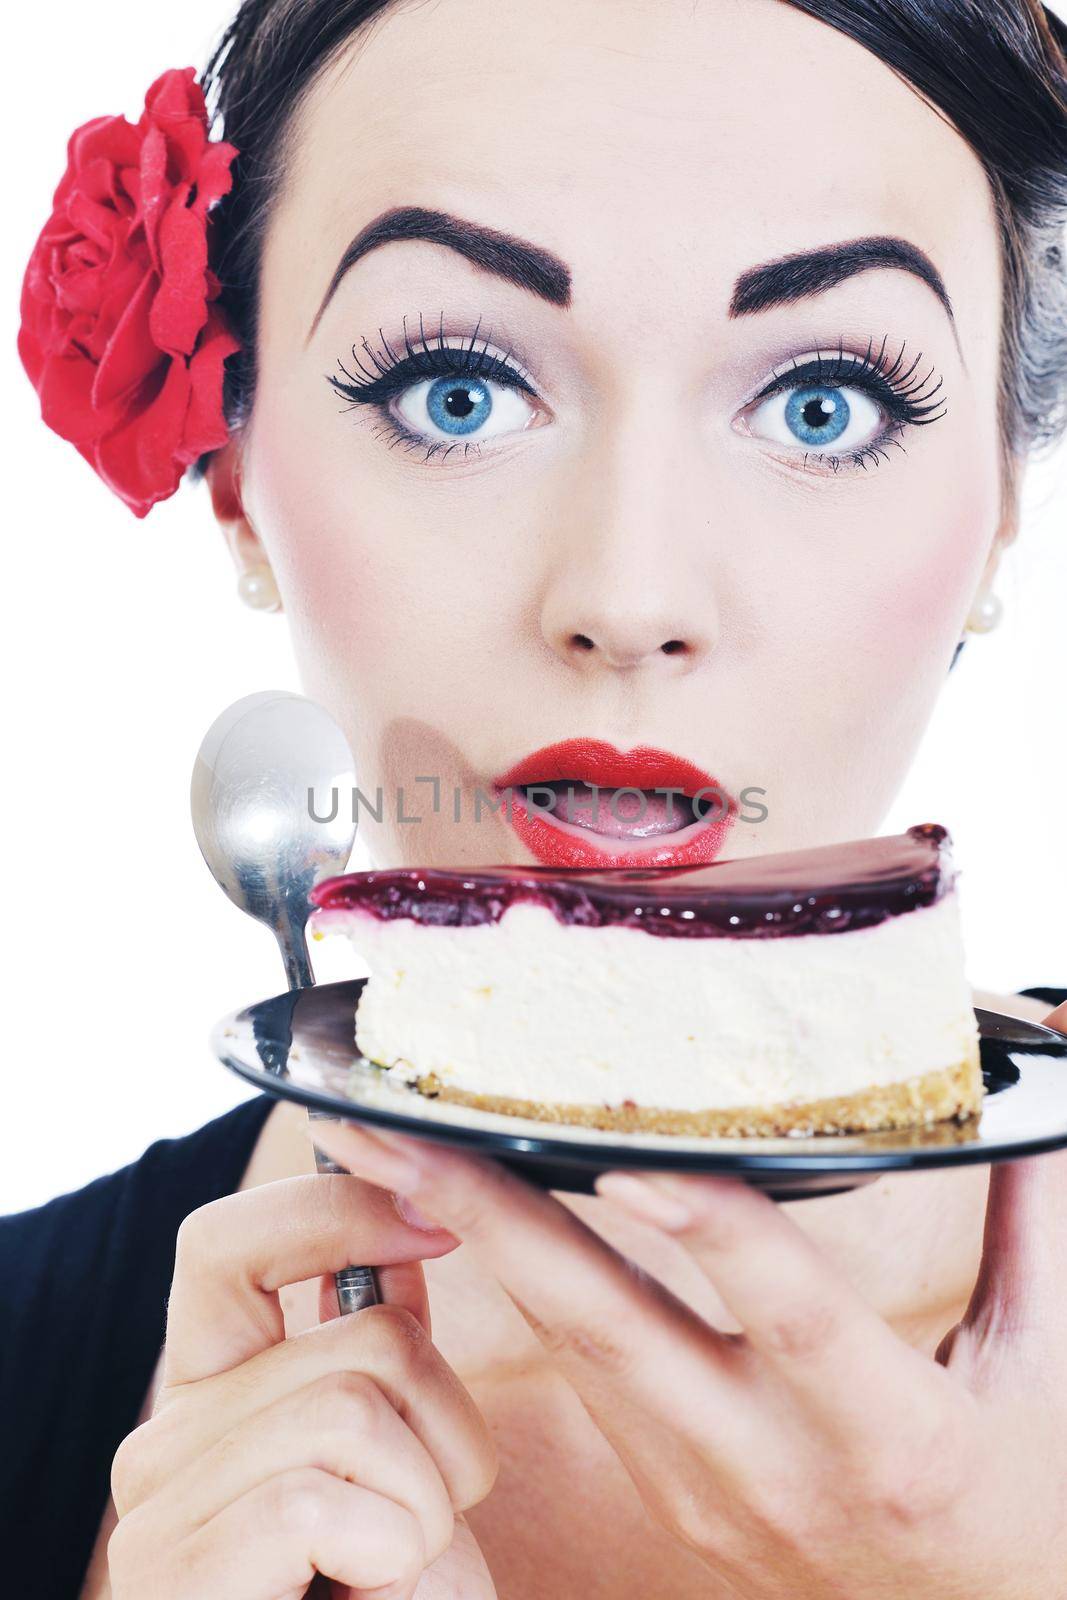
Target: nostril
(583, 641)
(672, 647)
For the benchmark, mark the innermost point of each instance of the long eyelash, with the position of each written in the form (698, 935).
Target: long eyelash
(908, 399)
(914, 403)
(395, 373)
(859, 458)
(905, 396)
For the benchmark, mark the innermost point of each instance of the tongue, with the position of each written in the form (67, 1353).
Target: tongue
(615, 814)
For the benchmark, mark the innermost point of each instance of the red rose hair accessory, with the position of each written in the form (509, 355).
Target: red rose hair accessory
(119, 335)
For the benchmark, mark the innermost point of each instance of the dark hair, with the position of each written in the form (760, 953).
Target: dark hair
(996, 69)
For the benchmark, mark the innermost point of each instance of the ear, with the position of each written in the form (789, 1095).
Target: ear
(254, 577)
(1006, 533)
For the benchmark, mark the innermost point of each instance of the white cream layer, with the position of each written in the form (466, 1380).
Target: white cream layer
(537, 1010)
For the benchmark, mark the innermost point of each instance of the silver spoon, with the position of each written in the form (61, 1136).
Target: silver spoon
(268, 768)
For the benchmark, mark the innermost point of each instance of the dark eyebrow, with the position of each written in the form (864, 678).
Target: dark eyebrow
(520, 262)
(793, 277)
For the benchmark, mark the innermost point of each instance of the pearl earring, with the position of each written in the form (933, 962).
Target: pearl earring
(257, 588)
(985, 614)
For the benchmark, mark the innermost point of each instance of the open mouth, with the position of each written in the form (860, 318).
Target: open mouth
(582, 803)
(618, 813)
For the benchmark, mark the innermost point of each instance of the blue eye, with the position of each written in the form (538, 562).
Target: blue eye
(441, 394)
(457, 405)
(817, 416)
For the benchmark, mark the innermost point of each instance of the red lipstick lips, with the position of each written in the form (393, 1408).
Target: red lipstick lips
(585, 763)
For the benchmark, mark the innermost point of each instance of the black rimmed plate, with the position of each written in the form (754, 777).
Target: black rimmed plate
(301, 1046)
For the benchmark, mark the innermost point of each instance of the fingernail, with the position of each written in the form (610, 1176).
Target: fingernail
(414, 1217)
(643, 1200)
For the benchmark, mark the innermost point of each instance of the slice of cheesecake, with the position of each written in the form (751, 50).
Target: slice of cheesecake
(821, 990)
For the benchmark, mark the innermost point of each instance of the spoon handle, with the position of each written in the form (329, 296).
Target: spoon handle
(356, 1286)
(292, 942)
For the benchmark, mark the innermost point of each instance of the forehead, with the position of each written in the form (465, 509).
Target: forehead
(651, 143)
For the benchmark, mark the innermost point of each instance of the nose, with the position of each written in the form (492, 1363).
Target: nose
(618, 637)
(631, 582)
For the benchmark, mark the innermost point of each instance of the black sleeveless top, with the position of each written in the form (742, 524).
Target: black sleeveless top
(84, 1281)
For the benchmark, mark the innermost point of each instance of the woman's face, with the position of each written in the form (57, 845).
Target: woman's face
(645, 536)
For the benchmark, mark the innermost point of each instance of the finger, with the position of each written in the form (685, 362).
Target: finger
(234, 1254)
(342, 1424)
(462, 1572)
(384, 1342)
(801, 1319)
(273, 1540)
(403, 1284)
(1018, 1295)
(796, 1311)
(1058, 1018)
(634, 1352)
(1024, 1247)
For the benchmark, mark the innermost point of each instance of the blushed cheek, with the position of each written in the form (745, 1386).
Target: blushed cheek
(950, 544)
(927, 603)
(320, 531)
(873, 643)
(914, 614)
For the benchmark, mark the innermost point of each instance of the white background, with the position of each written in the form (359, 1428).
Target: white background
(123, 639)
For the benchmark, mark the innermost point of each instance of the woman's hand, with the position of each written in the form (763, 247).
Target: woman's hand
(346, 1450)
(813, 1452)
